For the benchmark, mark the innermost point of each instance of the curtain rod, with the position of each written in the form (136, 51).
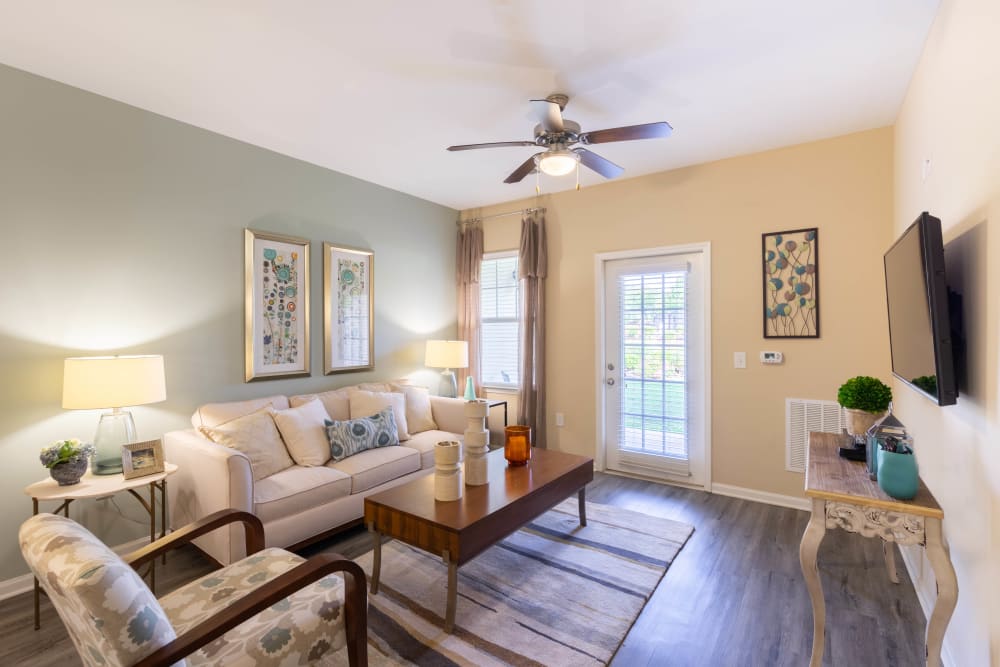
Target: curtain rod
(522, 211)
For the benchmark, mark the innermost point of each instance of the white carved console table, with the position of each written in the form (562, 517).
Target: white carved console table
(844, 497)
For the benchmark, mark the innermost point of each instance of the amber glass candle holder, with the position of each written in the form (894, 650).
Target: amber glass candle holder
(517, 445)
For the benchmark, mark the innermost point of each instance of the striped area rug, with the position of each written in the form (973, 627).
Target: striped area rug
(553, 593)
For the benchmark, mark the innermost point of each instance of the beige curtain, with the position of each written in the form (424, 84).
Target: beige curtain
(532, 262)
(469, 261)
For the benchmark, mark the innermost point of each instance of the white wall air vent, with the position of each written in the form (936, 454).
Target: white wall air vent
(802, 416)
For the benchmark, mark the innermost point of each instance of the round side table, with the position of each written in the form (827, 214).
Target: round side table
(102, 486)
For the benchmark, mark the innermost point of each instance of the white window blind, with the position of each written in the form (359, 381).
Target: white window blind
(500, 346)
(654, 368)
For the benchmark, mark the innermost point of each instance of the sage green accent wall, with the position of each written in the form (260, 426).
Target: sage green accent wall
(122, 232)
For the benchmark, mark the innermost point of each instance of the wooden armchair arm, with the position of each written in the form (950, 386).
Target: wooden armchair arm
(317, 567)
(253, 526)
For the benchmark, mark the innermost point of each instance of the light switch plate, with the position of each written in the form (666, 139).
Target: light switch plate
(739, 359)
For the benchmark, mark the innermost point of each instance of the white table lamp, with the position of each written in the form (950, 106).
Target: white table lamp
(447, 354)
(91, 383)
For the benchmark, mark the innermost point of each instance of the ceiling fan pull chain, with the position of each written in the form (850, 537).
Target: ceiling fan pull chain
(578, 175)
(538, 187)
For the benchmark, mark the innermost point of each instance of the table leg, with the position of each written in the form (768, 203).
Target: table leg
(152, 535)
(808, 549)
(449, 614)
(163, 514)
(581, 497)
(947, 589)
(376, 557)
(890, 561)
(38, 593)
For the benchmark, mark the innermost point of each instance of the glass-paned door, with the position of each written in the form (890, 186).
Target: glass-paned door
(654, 366)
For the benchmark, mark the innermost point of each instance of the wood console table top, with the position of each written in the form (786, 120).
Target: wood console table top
(831, 477)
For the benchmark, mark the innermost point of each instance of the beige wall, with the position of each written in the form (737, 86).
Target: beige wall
(123, 233)
(843, 186)
(950, 116)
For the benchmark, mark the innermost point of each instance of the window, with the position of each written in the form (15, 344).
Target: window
(500, 341)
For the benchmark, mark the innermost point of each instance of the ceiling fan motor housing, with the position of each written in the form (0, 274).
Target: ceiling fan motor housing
(569, 135)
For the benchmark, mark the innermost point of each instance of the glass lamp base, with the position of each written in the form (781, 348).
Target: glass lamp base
(448, 386)
(114, 430)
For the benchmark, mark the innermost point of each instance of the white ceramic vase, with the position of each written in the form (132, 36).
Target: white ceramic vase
(448, 470)
(477, 443)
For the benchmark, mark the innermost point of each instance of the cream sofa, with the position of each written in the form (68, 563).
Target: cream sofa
(299, 504)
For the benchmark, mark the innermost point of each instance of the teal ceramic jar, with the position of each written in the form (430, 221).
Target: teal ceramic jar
(897, 474)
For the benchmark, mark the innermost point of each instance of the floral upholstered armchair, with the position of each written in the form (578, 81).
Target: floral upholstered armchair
(271, 608)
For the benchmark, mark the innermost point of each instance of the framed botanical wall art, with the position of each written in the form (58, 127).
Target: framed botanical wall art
(791, 283)
(348, 309)
(276, 284)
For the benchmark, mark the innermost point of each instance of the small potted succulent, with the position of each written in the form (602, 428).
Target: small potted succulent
(865, 399)
(66, 460)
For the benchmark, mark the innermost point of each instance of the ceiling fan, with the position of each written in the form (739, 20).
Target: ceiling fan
(557, 134)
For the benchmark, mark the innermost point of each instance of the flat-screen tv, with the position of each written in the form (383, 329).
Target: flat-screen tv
(919, 324)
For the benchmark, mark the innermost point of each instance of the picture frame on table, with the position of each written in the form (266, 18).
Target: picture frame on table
(142, 458)
(276, 287)
(348, 309)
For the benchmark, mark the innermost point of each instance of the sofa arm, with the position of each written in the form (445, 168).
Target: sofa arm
(449, 413)
(209, 478)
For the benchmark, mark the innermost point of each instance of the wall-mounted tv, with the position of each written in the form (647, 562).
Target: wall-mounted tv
(919, 324)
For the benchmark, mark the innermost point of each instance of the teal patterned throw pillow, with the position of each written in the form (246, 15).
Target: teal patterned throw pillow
(349, 437)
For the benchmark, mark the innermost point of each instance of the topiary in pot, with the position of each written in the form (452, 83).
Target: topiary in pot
(866, 399)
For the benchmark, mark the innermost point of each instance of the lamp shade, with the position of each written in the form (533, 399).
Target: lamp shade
(447, 354)
(112, 382)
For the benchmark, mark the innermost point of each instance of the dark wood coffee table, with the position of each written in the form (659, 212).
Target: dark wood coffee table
(460, 530)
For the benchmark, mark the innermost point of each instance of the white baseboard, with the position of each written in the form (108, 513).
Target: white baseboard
(765, 497)
(23, 584)
(914, 560)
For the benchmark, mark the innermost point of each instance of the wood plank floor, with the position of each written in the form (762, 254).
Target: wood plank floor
(734, 595)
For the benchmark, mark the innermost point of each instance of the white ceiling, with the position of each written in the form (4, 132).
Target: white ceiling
(378, 89)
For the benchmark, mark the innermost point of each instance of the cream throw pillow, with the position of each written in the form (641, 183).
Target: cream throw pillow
(419, 417)
(368, 403)
(256, 436)
(304, 432)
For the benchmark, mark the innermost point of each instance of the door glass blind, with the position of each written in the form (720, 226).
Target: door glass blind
(654, 371)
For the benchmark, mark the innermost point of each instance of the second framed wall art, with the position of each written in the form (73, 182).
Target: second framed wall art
(348, 309)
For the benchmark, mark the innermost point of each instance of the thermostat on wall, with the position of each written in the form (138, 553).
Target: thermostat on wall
(771, 357)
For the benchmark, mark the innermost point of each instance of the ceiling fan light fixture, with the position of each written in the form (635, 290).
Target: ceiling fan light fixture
(558, 163)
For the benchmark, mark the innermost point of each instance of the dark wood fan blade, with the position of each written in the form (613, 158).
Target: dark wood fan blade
(526, 168)
(628, 133)
(548, 115)
(495, 144)
(602, 166)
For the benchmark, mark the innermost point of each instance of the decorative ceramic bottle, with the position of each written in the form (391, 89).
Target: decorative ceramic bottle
(477, 441)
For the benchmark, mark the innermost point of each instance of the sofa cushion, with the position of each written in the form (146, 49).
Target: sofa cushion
(296, 489)
(304, 432)
(256, 436)
(213, 414)
(424, 443)
(419, 416)
(367, 403)
(377, 466)
(337, 402)
(347, 438)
